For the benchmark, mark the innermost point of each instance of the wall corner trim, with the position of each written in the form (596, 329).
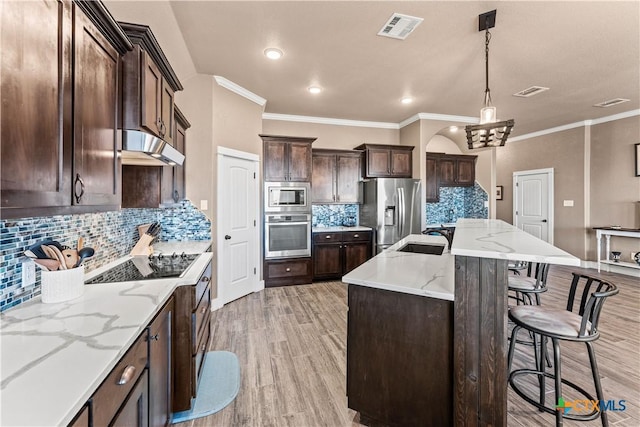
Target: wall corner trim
(237, 89)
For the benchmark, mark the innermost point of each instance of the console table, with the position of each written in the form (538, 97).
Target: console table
(607, 232)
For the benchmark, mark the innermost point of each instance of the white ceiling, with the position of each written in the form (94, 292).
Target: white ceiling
(585, 52)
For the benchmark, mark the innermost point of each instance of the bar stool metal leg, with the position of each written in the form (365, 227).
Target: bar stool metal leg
(596, 380)
(558, 379)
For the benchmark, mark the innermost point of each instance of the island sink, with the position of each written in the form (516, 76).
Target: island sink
(422, 248)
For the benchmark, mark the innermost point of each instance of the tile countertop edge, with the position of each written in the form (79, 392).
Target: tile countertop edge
(162, 291)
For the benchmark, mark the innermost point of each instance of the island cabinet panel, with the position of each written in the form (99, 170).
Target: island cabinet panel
(82, 419)
(480, 349)
(399, 357)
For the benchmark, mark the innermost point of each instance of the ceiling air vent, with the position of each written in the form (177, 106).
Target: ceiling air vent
(611, 102)
(533, 90)
(399, 26)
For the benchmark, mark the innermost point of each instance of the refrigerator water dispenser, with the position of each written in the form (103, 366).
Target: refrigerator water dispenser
(390, 215)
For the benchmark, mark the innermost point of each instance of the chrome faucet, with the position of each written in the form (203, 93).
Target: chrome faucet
(445, 232)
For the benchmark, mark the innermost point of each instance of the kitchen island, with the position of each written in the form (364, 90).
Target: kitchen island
(456, 353)
(54, 356)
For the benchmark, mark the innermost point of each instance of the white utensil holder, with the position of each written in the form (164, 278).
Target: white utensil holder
(62, 285)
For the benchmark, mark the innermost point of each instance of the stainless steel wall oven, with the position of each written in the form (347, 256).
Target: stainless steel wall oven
(287, 235)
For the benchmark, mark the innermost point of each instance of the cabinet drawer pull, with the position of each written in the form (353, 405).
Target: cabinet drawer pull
(204, 346)
(204, 310)
(327, 237)
(127, 374)
(153, 337)
(288, 269)
(205, 279)
(355, 236)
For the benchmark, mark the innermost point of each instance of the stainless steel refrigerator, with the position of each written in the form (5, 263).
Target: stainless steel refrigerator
(391, 206)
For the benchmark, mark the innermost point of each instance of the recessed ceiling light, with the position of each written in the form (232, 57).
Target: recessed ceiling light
(531, 91)
(611, 102)
(315, 89)
(156, 155)
(273, 53)
(453, 128)
(406, 100)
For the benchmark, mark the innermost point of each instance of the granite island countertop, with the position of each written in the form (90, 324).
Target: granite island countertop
(54, 356)
(433, 275)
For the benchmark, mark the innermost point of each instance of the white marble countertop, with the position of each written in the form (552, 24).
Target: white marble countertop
(433, 275)
(492, 238)
(410, 273)
(337, 229)
(54, 356)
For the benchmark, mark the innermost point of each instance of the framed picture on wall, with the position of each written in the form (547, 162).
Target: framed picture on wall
(498, 192)
(638, 159)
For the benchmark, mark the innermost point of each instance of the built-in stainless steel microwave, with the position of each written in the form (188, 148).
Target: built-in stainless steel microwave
(287, 197)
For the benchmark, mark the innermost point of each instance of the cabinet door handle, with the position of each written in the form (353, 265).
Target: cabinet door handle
(204, 346)
(153, 337)
(204, 310)
(127, 375)
(176, 196)
(205, 279)
(287, 270)
(75, 185)
(338, 197)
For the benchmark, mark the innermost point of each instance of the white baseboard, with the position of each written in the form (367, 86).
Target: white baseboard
(633, 272)
(216, 304)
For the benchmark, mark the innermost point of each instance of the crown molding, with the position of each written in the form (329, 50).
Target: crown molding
(583, 123)
(237, 89)
(329, 121)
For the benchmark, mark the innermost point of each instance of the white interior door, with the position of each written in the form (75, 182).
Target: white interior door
(533, 202)
(238, 235)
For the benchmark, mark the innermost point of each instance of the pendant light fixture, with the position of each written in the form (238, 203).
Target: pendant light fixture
(490, 132)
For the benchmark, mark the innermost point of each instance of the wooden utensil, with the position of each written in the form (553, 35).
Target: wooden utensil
(80, 244)
(70, 257)
(58, 253)
(48, 264)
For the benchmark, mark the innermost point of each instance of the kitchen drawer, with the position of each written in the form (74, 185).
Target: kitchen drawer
(327, 237)
(200, 316)
(356, 236)
(288, 269)
(203, 283)
(110, 395)
(82, 419)
(197, 361)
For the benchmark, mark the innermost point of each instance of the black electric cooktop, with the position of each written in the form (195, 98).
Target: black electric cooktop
(142, 268)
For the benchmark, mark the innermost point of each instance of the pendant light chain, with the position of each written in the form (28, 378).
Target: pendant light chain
(487, 91)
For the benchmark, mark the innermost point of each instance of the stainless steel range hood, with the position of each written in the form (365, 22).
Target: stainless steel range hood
(140, 148)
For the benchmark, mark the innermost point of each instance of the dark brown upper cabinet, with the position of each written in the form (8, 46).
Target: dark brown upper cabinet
(336, 176)
(387, 161)
(149, 84)
(448, 170)
(59, 141)
(456, 170)
(287, 158)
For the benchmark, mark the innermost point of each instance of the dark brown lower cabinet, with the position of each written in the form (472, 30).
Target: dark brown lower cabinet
(289, 271)
(400, 357)
(134, 412)
(160, 367)
(191, 337)
(336, 254)
(82, 419)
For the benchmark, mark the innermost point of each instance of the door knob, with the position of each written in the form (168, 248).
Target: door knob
(544, 220)
(227, 237)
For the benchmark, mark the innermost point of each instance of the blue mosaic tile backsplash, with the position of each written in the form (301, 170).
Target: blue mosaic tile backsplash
(334, 215)
(458, 202)
(111, 234)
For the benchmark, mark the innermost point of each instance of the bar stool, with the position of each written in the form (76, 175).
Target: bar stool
(559, 325)
(533, 284)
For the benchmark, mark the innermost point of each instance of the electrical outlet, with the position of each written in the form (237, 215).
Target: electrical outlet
(568, 203)
(204, 205)
(28, 273)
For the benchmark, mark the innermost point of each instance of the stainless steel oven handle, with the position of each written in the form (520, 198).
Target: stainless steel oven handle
(289, 223)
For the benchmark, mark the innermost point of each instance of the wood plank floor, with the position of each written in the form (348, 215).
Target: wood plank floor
(291, 342)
